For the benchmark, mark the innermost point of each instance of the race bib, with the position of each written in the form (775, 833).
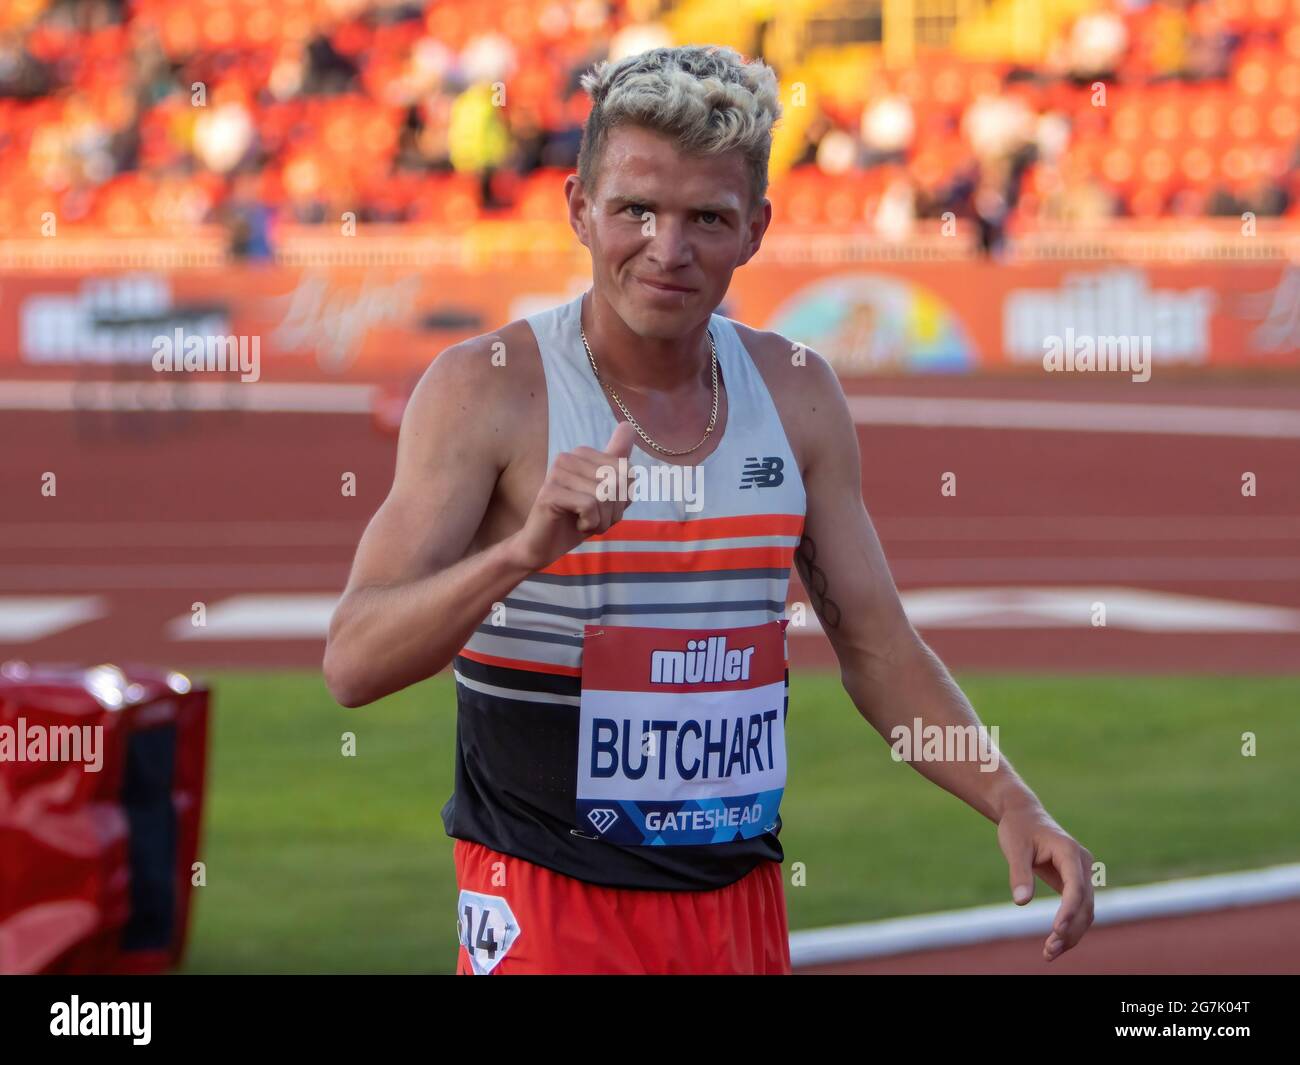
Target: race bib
(682, 735)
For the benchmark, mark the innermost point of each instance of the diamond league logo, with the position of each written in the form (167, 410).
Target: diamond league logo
(603, 819)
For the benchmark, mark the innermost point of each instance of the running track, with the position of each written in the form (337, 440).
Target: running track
(155, 512)
(1255, 939)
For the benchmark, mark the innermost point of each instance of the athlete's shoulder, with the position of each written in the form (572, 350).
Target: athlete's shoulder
(477, 360)
(803, 386)
(484, 386)
(789, 365)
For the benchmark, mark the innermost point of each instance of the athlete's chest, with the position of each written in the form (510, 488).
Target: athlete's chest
(749, 464)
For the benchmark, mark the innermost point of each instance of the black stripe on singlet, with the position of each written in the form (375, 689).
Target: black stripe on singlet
(518, 679)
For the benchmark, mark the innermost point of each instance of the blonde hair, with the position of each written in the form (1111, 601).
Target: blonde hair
(706, 97)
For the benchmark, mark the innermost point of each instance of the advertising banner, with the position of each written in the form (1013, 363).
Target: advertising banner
(386, 323)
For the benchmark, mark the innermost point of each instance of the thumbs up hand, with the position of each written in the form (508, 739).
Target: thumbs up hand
(569, 507)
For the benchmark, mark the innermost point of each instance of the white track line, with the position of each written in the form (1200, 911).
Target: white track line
(1088, 527)
(1176, 419)
(983, 569)
(169, 394)
(1057, 528)
(185, 535)
(25, 618)
(984, 924)
(79, 577)
(1071, 607)
(250, 617)
(935, 412)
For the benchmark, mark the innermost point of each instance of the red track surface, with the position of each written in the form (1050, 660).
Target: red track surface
(1254, 939)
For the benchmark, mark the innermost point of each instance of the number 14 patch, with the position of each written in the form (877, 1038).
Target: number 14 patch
(487, 929)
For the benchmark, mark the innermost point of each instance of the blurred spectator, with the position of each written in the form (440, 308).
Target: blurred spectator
(838, 153)
(1073, 197)
(642, 32)
(224, 132)
(247, 219)
(490, 58)
(1170, 43)
(818, 127)
(887, 130)
(992, 207)
(1096, 45)
(997, 126)
(1209, 51)
(21, 74)
(288, 76)
(895, 216)
(326, 71)
(478, 136)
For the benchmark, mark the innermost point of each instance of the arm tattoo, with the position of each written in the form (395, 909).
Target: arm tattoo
(814, 579)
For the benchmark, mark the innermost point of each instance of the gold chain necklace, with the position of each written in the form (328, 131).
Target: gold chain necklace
(713, 418)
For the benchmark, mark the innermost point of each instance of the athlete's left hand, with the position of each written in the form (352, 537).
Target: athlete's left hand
(1035, 844)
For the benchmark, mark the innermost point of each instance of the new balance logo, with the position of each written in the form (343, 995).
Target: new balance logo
(603, 819)
(762, 473)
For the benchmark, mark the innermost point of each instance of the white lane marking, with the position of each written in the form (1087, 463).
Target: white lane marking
(169, 394)
(76, 576)
(1030, 569)
(33, 617)
(983, 924)
(1159, 418)
(273, 617)
(79, 577)
(1125, 608)
(307, 616)
(1072, 608)
(325, 397)
(1088, 528)
(111, 535)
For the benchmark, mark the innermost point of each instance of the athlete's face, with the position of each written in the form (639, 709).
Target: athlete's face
(665, 230)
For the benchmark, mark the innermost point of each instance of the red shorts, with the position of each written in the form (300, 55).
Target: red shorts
(525, 919)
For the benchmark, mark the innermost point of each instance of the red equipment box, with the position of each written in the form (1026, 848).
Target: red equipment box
(101, 795)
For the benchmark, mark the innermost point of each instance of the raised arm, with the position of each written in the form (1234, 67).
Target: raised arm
(890, 673)
(411, 602)
(413, 598)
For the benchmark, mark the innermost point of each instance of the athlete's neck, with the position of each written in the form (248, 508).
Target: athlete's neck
(644, 364)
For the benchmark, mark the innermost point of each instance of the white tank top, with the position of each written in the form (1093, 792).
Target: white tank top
(664, 565)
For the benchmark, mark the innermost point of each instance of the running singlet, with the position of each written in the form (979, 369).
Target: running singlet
(660, 764)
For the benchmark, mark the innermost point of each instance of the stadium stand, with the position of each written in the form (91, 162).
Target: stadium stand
(146, 117)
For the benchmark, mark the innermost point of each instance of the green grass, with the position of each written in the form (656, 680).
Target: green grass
(318, 862)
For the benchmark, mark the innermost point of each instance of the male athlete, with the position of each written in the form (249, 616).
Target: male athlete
(619, 645)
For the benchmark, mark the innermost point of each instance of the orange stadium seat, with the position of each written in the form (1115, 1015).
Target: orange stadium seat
(1207, 119)
(1286, 80)
(1165, 120)
(1196, 164)
(1284, 123)
(541, 198)
(449, 199)
(1245, 121)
